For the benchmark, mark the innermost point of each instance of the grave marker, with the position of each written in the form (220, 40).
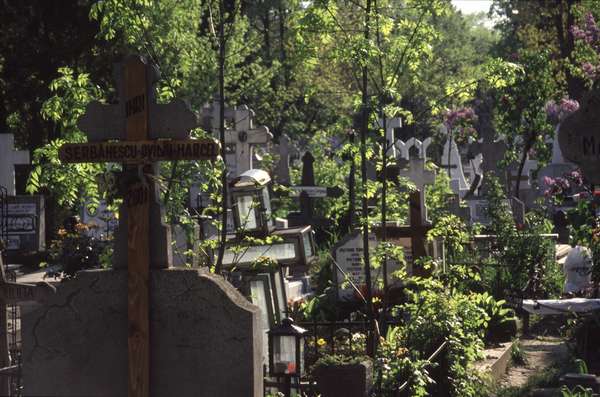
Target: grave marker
(9, 157)
(307, 192)
(25, 224)
(240, 138)
(421, 177)
(452, 162)
(136, 120)
(579, 137)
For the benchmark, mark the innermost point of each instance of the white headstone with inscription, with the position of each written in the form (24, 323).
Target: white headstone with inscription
(349, 267)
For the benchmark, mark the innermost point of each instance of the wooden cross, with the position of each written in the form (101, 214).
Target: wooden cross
(13, 294)
(148, 132)
(9, 157)
(421, 177)
(417, 231)
(240, 137)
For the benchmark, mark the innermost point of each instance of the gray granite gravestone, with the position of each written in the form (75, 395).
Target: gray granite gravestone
(9, 157)
(206, 338)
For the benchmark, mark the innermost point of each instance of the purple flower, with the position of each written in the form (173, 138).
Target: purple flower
(557, 112)
(549, 181)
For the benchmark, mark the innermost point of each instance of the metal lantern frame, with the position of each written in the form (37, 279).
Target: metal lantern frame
(287, 328)
(253, 184)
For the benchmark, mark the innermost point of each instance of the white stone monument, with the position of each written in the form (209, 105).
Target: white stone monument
(578, 269)
(9, 157)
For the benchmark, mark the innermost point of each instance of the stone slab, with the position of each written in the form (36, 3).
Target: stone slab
(206, 338)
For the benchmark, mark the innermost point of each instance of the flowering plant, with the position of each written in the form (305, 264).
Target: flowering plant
(557, 112)
(75, 250)
(460, 123)
(562, 185)
(588, 33)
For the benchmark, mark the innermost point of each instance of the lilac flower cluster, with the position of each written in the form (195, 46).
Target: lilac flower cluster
(557, 112)
(459, 122)
(458, 116)
(560, 185)
(588, 33)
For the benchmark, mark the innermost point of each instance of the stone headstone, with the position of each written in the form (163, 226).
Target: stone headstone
(558, 166)
(579, 137)
(9, 157)
(241, 136)
(452, 163)
(25, 224)
(206, 337)
(421, 177)
(392, 125)
(282, 173)
(578, 269)
(348, 255)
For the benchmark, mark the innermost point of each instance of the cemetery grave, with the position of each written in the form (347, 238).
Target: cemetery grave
(300, 199)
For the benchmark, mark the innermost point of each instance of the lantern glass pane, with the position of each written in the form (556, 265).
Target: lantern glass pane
(307, 242)
(259, 298)
(266, 201)
(284, 354)
(246, 212)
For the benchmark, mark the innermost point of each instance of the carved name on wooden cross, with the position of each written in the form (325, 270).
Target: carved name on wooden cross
(420, 176)
(147, 132)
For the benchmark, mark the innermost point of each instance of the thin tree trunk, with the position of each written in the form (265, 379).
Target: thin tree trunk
(224, 190)
(371, 340)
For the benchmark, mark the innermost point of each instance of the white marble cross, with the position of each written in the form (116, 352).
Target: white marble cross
(8, 158)
(420, 176)
(240, 135)
(391, 125)
(454, 167)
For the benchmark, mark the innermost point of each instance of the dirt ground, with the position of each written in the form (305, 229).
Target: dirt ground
(540, 353)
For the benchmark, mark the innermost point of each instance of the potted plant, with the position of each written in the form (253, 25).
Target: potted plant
(341, 375)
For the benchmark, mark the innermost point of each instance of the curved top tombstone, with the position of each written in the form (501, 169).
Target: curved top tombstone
(579, 137)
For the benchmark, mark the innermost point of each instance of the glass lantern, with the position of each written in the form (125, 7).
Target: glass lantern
(286, 349)
(252, 203)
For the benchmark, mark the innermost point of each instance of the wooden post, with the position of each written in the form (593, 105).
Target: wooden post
(138, 247)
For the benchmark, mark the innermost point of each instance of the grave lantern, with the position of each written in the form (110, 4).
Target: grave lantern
(286, 349)
(252, 203)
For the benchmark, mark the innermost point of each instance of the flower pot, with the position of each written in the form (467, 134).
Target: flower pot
(348, 380)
